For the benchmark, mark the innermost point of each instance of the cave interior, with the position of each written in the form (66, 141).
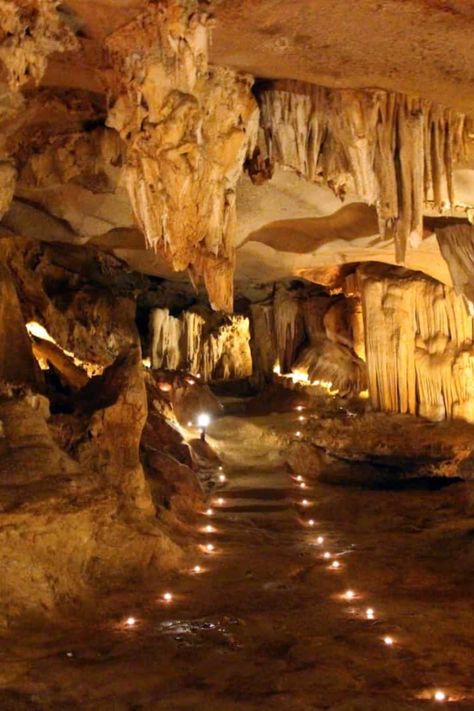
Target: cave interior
(236, 355)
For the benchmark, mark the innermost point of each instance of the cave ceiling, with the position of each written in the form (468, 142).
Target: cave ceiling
(131, 125)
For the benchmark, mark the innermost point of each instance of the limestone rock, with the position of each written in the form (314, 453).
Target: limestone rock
(17, 365)
(214, 346)
(188, 129)
(419, 341)
(29, 32)
(395, 152)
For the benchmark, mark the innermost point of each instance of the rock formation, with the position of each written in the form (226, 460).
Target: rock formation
(394, 152)
(212, 346)
(188, 129)
(419, 345)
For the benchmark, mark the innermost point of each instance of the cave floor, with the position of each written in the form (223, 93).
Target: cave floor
(266, 625)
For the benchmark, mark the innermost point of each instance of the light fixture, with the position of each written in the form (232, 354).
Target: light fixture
(203, 420)
(305, 502)
(320, 540)
(190, 424)
(388, 641)
(298, 434)
(167, 597)
(299, 478)
(222, 477)
(299, 408)
(370, 613)
(335, 564)
(311, 522)
(221, 468)
(209, 529)
(327, 555)
(220, 501)
(302, 485)
(349, 594)
(197, 569)
(301, 418)
(439, 695)
(130, 621)
(209, 512)
(209, 547)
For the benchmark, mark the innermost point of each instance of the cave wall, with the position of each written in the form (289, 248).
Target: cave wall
(419, 342)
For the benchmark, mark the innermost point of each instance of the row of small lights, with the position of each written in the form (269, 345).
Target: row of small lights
(439, 695)
(203, 421)
(209, 548)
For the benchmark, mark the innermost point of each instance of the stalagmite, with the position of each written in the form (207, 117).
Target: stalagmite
(188, 129)
(420, 344)
(393, 151)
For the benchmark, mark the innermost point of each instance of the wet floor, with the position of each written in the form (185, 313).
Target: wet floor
(358, 600)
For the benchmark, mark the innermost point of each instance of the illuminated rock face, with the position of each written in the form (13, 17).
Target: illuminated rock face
(394, 152)
(218, 348)
(309, 338)
(188, 129)
(420, 345)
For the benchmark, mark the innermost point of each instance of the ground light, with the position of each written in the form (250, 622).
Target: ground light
(130, 621)
(439, 695)
(388, 641)
(203, 421)
(167, 597)
(197, 569)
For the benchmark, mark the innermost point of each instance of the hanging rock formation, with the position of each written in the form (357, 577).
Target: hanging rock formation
(393, 151)
(420, 344)
(188, 129)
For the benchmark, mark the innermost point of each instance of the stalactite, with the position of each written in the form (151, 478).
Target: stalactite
(393, 151)
(188, 129)
(420, 345)
(215, 349)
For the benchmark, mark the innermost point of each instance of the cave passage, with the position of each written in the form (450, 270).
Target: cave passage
(268, 620)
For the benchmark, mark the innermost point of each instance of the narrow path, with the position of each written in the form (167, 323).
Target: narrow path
(268, 623)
